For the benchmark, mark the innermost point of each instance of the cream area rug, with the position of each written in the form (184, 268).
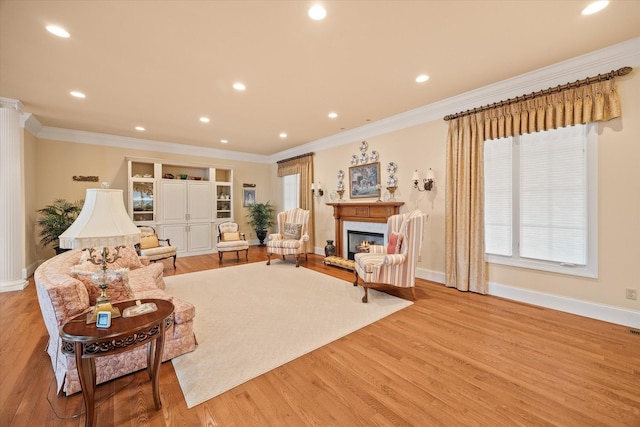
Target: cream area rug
(252, 318)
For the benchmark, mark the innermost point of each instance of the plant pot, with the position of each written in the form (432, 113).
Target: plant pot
(261, 235)
(60, 250)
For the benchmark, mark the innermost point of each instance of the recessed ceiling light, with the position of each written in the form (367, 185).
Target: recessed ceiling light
(333, 115)
(317, 12)
(223, 141)
(422, 78)
(205, 119)
(77, 94)
(595, 7)
(58, 31)
(239, 86)
(283, 135)
(140, 128)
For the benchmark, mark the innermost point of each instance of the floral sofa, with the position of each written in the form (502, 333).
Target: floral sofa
(65, 290)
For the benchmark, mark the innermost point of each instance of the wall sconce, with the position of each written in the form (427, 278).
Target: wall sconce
(316, 190)
(427, 183)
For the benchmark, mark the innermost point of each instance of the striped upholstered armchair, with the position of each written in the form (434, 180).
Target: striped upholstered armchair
(394, 264)
(292, 235)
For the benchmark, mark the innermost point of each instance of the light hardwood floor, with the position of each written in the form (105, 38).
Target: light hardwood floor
(451, 359)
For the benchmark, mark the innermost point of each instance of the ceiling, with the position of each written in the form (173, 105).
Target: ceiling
(164, 64)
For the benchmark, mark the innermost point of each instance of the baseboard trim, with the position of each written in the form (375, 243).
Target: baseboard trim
(606, 313)
(14, 285)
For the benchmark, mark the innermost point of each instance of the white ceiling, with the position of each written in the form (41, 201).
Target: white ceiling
(163, 64)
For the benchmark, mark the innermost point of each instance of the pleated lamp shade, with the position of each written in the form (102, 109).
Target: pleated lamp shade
(103, 221)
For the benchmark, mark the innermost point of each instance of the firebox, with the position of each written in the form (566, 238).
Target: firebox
(357, 238)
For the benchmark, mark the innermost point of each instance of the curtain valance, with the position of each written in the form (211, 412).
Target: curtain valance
(591, 103)
(295, 165)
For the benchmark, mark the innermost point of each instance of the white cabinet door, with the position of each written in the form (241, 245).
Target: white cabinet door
(177, 233)
(200, 237)
(173, 203)
(199, 201)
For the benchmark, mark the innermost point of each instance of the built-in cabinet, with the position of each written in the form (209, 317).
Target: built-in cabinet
(182, 201)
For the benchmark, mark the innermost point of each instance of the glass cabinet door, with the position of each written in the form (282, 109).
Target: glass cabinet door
(143, 201)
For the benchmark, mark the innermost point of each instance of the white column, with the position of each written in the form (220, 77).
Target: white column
(12, 228)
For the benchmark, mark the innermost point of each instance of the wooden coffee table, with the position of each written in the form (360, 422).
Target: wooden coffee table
(87, 342)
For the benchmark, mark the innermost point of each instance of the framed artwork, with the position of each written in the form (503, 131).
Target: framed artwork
(248, 197)
(364, 180)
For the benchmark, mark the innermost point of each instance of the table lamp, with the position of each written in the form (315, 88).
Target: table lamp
(103, 222)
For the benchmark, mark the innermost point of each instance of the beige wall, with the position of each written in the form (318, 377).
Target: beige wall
(57, 162)
(423, 146)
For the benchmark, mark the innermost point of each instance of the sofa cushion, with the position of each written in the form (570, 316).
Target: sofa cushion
(69, 298)
(118, 290)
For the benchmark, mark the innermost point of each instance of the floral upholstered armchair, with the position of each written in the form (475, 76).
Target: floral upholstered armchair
(394, 264)
(292, 236)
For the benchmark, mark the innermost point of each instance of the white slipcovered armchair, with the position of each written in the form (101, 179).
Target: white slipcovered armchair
(154, 248)
(292, 236)
(230, 239)
(394, 264)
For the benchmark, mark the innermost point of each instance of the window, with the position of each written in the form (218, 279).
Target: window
(540, 200)
(291, 191)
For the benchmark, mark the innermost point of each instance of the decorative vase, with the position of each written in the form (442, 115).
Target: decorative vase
(330, 249)
(261, 235)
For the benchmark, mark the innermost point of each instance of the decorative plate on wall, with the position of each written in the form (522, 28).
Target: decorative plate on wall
(364, 146)
(354, 160)
(374, 156)
(392, 168)
(340, 175)
(392, 181)
(363, 158)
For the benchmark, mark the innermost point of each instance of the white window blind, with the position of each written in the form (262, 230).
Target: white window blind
(540, 194)
(291, 191)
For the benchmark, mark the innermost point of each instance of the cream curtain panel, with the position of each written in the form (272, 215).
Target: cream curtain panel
(465, 260)
(302, 165)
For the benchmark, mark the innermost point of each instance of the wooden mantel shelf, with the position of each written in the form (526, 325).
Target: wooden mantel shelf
(361, 212)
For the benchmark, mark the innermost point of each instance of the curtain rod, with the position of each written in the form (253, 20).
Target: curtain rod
(295, 157)
(578, 83)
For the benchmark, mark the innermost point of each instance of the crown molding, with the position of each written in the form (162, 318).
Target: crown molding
(94, 138)
(600, 61)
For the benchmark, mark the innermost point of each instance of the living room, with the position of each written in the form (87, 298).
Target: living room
(415, 140)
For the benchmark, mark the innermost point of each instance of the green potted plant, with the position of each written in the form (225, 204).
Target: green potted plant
(261, 218)
(54, 219)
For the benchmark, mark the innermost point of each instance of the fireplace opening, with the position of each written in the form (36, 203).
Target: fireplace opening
(357, 238)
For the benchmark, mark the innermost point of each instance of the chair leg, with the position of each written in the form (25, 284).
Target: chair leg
(297, 260)
(174, 261)
(246, 254)
(238, 255)
(268, 258)
(219, 257)
(355, 282)
(413, 292)
(365, 298)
